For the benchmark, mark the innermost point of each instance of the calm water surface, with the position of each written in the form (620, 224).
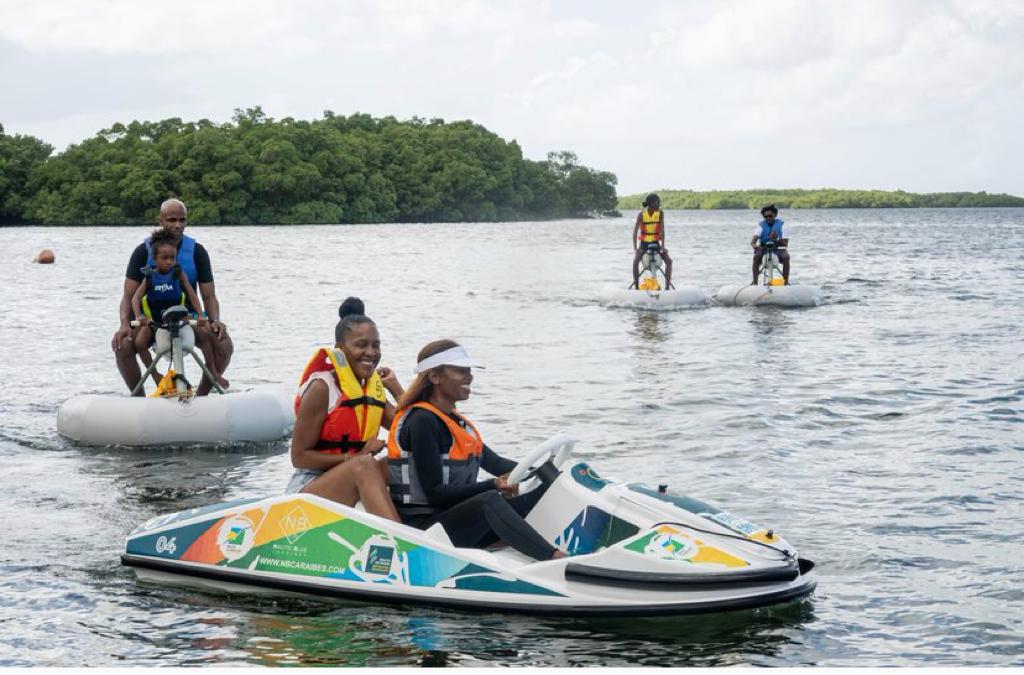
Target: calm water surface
(881, 432)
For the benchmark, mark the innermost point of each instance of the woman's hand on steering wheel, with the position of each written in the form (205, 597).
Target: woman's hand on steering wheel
(501, 483)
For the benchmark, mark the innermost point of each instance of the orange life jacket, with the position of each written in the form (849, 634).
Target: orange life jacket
(356, 417)
(459, 465)
(651, 229)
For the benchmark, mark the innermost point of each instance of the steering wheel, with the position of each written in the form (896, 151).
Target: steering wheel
(558, 448)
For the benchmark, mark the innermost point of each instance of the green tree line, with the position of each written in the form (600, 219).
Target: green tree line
(254, 169)
(826, 198)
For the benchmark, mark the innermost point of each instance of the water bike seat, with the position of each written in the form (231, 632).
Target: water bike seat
(174, 314)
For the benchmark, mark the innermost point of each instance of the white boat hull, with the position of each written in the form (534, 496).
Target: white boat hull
(251, 416)
(616, 296)
(635, 551)
(782, 296)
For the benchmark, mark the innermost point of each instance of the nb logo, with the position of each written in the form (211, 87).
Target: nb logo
(295, 524)
(165, 545)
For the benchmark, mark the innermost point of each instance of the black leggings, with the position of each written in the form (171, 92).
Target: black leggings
(487, 517)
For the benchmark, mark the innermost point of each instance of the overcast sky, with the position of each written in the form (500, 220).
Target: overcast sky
(918, 95)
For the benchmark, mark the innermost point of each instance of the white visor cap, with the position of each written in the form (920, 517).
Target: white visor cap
(456, 356)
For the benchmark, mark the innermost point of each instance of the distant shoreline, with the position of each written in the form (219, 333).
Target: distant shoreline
(467, 222)
(825, 198)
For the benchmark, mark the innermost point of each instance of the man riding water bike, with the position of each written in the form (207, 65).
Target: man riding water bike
(195, 261)
(650, 229)
(769, 229)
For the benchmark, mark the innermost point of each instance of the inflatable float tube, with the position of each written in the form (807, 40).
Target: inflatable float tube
(244, 417)
(782, 296)
(616, 296)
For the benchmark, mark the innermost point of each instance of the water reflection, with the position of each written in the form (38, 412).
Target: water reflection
(651, 327)
(292, 630)
(772, 322)
(370, 635)
(652, 331)
(175, 479)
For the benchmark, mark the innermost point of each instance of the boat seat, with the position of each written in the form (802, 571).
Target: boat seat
(437, 533)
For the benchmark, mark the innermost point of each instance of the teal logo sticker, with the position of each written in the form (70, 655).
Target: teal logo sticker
(378, 559)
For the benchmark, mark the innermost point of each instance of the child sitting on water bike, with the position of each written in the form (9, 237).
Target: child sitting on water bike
(164, 285)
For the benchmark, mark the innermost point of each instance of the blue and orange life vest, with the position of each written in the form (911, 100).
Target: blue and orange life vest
(356, 417)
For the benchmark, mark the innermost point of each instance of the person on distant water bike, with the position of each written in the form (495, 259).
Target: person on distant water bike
(770, 229)
(650, 228)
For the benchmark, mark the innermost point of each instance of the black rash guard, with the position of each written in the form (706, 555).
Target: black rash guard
(428, 438)
(474, 515)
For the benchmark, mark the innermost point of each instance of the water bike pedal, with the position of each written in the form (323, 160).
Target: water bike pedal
(168, 386)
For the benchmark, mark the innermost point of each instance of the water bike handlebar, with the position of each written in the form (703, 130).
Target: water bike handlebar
(178, 315)
(161, 324)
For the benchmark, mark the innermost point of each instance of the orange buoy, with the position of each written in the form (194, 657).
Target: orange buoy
(44, 257)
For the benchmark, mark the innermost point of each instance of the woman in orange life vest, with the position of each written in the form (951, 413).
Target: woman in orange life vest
(650, 228)
(340, 407)
(435, 453)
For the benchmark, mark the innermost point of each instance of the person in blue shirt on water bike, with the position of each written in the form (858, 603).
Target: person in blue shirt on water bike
(195, 262)
(164, 285)
(770, 230)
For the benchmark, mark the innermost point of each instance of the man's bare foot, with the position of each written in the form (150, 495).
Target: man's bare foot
(559, 554)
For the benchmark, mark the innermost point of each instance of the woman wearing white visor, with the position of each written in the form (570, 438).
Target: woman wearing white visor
(434, 457)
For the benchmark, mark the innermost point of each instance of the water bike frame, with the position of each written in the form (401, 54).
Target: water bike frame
(652, 265)
(770, 263)
(175, 337)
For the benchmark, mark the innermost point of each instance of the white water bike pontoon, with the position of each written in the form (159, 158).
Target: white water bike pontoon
(652, 290)
(635, 550)
(772, 289)
(176, 416)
